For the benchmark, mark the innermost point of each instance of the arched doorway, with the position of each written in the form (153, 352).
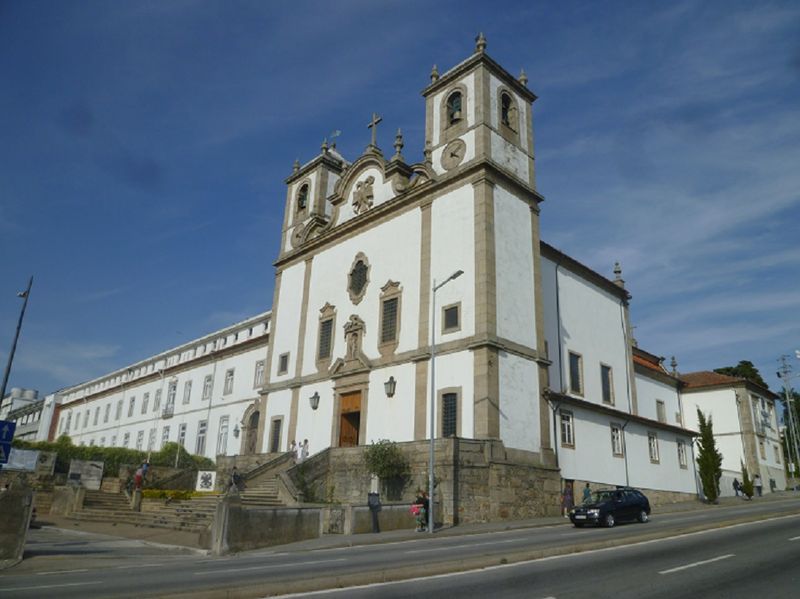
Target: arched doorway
(251, 433)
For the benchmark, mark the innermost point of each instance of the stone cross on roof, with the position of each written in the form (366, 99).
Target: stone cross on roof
(373, 124)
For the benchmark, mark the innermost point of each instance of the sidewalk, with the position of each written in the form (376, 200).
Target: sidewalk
(187, 542)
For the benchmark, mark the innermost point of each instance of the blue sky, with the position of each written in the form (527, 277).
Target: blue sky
(144, 147)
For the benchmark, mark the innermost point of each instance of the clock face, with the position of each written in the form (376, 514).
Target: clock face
(453, 154)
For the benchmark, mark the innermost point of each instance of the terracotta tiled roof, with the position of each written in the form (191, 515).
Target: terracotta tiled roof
(707, 378)
(647, 363)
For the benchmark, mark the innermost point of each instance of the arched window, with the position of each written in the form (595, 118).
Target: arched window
(454, 108)
(302, 198)
(505, 103)
(509, 115)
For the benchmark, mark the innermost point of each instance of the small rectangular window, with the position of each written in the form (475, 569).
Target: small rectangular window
(449, 414)
(96, 416)
(567, 429)
(157, 401)
(228, 388)
(661, 411)
(107, 413)
(607, 384)
(616, 441)
(145, 402)
(325, 338)
(762, 450)
(451, 318)
(222, 436)
(131, 406)
(200, 444)
(172, 391)
(208, 384)
(283, 364)
(575, 373)
(389, 321)
(164, 436)
(187, 392)
(275, 436)
(139, 440)
(258, 378)
(682, 454)
(182, 435)
(777, 451)
(126, 438)
(652, 442)
(151, 439)
(118, 412)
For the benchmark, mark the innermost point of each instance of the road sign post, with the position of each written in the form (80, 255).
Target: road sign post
(6, 436)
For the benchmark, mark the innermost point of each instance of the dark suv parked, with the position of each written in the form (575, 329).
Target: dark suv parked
(609, 506)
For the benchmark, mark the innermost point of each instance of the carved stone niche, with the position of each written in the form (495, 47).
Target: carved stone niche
(354, 358)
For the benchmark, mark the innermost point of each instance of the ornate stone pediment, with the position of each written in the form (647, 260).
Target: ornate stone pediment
(354, 358)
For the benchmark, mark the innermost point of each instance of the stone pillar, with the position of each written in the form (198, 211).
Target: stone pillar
(16, 507)
(136, 500)
(221, 525)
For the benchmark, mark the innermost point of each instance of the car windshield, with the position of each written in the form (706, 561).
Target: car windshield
(601, 496)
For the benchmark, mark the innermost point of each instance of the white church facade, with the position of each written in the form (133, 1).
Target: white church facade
(377, 258)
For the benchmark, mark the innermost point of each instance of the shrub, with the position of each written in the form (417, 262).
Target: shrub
(385, 460)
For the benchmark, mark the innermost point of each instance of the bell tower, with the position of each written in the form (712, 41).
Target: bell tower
(478, 111)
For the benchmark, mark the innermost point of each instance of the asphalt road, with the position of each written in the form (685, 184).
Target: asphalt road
(121, 568)
(758, 559)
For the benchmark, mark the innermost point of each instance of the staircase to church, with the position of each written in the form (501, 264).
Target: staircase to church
(262, 494)
(190, 515)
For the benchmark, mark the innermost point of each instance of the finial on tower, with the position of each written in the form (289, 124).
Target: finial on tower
(398, 145)
(324, 146)
(480, 43)
(296, 165)
(434, 74)
(523, 78)
(618, 280)
(673, 363)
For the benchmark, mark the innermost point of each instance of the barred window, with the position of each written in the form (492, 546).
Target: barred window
(452, 320)
(325, 339)
(389, 324)
(449, 414)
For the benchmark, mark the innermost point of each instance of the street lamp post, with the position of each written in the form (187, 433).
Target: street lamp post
(435, 288)
(25, 294)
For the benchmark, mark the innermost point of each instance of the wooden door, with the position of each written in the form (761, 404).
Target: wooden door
(349, 419)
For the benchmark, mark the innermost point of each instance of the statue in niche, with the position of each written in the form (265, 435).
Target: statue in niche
(353, 330)
(363, 195)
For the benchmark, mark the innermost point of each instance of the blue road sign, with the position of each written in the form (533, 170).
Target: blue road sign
(6, 436)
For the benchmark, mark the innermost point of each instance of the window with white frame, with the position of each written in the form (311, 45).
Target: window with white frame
(86, 418)
(762, 449)
(164, 436)
(567, 429)
(652, 444)
(139, 440)
(682, 461)
(616, 440)
(228, 388)
(113, 440)
(106, 413)
(126, 438)
(325, 339)
(575, 373)
(258, 377)
(172, 391)
(222, 436)
(208, 385)
(131, 406)
(200, 443)
(96, 416)
(187, 392)
(777, 451)
(607, 384)
(182, 435)
(661, 411)
(102, 442)
(283, 363)
(151, 440)
(145, 403)
(157, 401)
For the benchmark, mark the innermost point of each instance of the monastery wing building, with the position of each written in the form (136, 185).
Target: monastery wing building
(378, 258)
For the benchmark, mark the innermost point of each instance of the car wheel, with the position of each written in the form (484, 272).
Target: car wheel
(643, 517)
(578, 524)
(609, 521)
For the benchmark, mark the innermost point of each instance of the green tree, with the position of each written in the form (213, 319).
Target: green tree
(747, 482)
(385, 460)
(745, 370)
(709, 459)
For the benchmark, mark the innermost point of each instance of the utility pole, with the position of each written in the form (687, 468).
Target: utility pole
(24, 294)
(793, 440)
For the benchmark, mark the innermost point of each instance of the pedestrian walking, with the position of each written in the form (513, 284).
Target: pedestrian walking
(737, 486)
(758, 484)
(587, 494)
(293, 450)
(567, 500)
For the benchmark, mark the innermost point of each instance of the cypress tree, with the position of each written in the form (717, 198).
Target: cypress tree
(709, 460)
(747, 482)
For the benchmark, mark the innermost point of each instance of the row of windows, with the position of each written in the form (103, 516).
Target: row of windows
(172, 391)
(618, 441)
(576, 381)
(455, 106)
(200, 439)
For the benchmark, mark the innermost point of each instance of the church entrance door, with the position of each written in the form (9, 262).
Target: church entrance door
(349, 419)
(252, 433)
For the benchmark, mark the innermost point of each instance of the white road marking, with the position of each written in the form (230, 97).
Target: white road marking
(56, 586)
(448, 547)
(140, 566)
(695, 564)
(61, 572)
(795, 539)
(262, 567)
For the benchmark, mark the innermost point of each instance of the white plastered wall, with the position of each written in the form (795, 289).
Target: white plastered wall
(391, 417)
(279, 404)
(516, 318)
(519, 402)
(648, 391)
(284, 330)
(455, 370)
(720, 406)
